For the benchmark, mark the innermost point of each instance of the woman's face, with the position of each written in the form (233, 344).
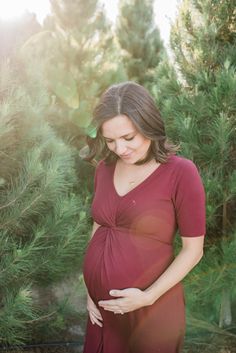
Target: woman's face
(124, 139)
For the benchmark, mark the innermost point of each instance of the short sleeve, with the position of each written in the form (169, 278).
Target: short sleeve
(189, 200)
(98, 167)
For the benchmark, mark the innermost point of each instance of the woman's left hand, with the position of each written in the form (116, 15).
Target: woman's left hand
(129, 299)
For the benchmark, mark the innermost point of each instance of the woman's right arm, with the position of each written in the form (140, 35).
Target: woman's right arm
(94, 313)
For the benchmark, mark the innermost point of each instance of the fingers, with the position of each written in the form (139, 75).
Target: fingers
(119, 312)
(116, 305)
(97, 314)
(94, 313)
(116, 309)
(94, 319)
(110, 302)
(112, 308)
(117, 293)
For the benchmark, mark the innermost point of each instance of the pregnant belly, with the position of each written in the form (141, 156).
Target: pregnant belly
(118, 259)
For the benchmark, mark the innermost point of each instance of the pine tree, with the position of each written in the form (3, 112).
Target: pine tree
(83, 61)
(198, 100)
(42, 220)
(139, 38)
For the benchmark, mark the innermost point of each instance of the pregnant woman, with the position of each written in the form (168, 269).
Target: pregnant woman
(143, 194)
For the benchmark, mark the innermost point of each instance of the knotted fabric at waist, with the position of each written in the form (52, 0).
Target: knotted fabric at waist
(134, 231)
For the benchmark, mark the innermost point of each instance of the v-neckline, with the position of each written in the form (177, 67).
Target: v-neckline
(155, 171)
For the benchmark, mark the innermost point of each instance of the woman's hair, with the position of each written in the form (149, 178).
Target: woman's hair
(134, 101)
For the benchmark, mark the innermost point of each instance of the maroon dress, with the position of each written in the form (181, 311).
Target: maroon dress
(133, 247)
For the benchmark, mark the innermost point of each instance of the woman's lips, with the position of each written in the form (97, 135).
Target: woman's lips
(126, 155)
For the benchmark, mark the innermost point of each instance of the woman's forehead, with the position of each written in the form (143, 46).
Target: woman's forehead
(117, 127)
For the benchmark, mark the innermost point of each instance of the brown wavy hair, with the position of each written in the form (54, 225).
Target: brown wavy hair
(134, 101)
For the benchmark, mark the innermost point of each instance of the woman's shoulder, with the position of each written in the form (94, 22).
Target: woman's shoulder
(181, 165)
(181, 162)
(103, 172)
(103, 166)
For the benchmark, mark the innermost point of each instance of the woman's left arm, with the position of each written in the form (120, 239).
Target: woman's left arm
(133, 298)
(190, 254)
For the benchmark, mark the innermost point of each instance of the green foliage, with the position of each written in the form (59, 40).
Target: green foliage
(64, 86)
(139, 38)
(17, 312)
(79, 57)
(203, 29)
(204, 288)
(44, 223)
(198, 103)
(45, 188)
(197, 97)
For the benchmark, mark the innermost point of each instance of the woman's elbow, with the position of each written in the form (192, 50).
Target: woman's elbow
(199, 256)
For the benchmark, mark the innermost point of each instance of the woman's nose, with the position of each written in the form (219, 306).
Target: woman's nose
(120, 147)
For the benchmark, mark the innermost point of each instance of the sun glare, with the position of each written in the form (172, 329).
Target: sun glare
(164, 11)
(11, 9)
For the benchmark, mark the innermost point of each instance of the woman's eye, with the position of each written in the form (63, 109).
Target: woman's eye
(126, 139)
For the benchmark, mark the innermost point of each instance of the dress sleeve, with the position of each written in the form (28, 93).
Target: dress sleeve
(189, 200)
(98, 167)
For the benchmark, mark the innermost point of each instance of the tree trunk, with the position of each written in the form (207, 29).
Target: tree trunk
(225, 319)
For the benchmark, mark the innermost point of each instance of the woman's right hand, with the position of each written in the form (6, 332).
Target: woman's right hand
(94, 313)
